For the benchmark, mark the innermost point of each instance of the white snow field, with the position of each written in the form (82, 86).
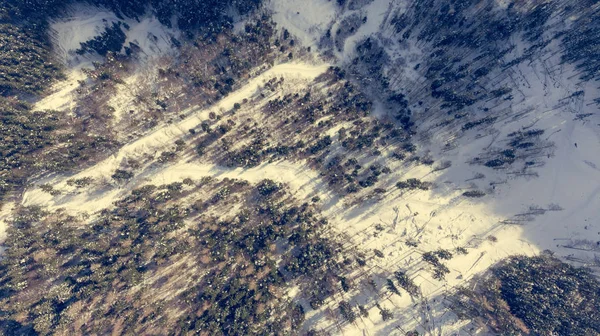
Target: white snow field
(307, 20)
(555, 210)
(84, 22)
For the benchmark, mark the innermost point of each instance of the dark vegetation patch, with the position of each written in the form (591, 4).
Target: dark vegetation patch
(528, 148)
(111, 40)
(413, 184)
(533, 296)
(465, 42)
(37, 142)
(154, 264)
(25, 63)
(580, 42)
(208, 17)
(467, 58)
(474, 193)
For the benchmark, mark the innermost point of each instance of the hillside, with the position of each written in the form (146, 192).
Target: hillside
(319, 167)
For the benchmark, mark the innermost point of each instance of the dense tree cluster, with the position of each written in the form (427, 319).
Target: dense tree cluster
(153, 264)
(26, 67)
(35, 142)
(433, 258)
(25, 62)
(209, 16)
(467, 54)
(467, 40)
(112, 39)
(534, 296)
(580, 42)
(525, 147)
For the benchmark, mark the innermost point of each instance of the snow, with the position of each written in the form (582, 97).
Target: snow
(375, 12)
(6, 213)
(124, 100)
(84, 22)
(61, 96)
(307, 20)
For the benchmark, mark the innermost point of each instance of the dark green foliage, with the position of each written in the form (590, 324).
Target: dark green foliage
(121, 175)
(461, 250)
(311, 257)
(209, 16)
(298, 316)
(439, 270)
(443, 254)
(347, 312)
(268, 187)
(581, 44)
(248, 156)
(363, 311)
(321, 144)
(111, 40)
(385, 313)
(345, 284)
(228, 283)
(392, 287)
(484, 121)
(494, 163)
(407, 283)
(544, 293)
(25, 62)
(474, 193)
(413, 184)
(535, 296)
(34, 142)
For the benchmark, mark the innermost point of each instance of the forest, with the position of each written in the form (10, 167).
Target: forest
(533, 296)
(189, 256)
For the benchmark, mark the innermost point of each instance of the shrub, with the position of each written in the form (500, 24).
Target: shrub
(474, 193)
(268, 187)
(122, 175)
(413, 184)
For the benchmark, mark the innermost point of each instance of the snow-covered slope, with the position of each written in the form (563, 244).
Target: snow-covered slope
(83, 23)
(547, 198)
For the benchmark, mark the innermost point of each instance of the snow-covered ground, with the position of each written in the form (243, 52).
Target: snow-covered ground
(61, 95)
(307, 20)
(82, 23)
